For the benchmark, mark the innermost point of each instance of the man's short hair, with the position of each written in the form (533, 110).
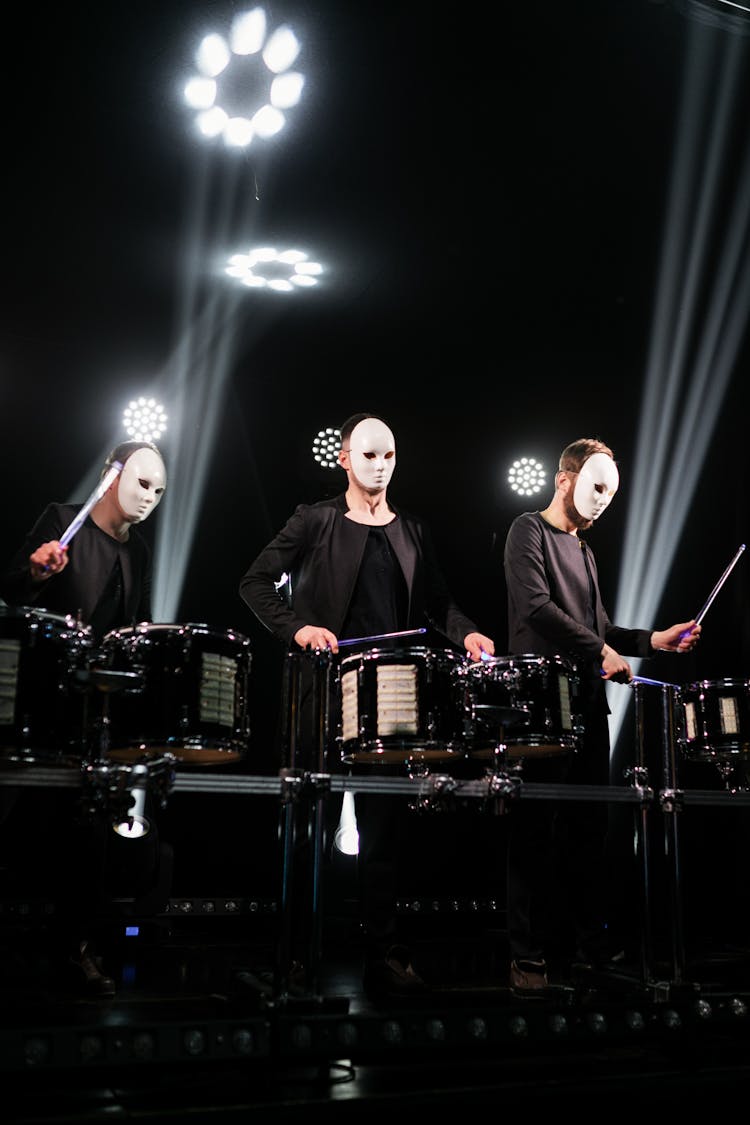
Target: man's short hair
(574, 455)
(346, 429)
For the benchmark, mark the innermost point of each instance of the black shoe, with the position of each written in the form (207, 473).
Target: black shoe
(263, 982)
(598, 963)
(86, 969)
(392, 975)
(529, 979)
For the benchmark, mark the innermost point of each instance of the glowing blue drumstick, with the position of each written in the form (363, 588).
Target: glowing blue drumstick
(380, 637)
(719, 584)
(654, 683)
(716, 589)
(94, 498)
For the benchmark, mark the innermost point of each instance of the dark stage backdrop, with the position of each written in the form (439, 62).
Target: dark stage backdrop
(489, 199)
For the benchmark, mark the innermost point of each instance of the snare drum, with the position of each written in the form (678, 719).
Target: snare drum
(42, 705)
(715, 719)
(192, 694)
(399, 706)
(523, 703)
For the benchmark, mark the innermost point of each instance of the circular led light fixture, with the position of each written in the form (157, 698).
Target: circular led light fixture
(326, 446)
(244, 83)
(267, 268)
(144, 419)
(526, 476)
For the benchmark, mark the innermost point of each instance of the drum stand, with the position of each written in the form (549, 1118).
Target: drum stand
(109, 790)
(503, 779)
(305, 786)
(670, 800)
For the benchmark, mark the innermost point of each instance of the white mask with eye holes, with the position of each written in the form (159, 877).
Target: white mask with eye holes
(372, 454)
(141, 484)
(597, 483)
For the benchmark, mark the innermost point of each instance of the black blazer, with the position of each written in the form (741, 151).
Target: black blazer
(311, 549)
(92, 554)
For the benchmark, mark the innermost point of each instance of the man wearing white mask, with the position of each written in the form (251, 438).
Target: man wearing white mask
(102, 576)
(361, 567)
(555, 609)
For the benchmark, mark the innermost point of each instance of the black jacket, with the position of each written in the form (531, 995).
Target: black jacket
(548, 596)
(311, 549)
(92, 555)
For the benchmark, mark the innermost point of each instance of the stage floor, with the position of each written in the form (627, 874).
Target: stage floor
(200, 1029)
(198, 1026)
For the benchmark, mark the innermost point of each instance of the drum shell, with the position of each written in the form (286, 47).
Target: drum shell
(714, 719)
(43, 704)
(544, 689)
(192, 693)
(399, 706)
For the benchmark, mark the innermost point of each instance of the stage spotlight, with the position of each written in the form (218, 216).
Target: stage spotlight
(144, 419)
(244, 84)
(346, 838)
(136, 823)
(265, 267)
(326, 446)
(527, 476)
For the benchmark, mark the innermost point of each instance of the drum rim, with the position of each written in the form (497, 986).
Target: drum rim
(189, 628)
(67, 620)
(702, 685)
(526, 658)
(370, 653)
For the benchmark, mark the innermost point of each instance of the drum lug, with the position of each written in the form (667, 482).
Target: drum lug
(440, 795)
(640, 778)
(501, 788)
(671, 800)
(297, 785)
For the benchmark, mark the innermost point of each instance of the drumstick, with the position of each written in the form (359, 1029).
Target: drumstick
(94, 498)
(717, 587)
(655, 683)
(719, 584)
(380, 637)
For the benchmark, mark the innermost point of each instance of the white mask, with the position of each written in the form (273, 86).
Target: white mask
(597, 483)
(141, 484)
(372, 454)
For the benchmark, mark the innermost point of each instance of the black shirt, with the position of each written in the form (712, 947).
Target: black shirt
(379, 601)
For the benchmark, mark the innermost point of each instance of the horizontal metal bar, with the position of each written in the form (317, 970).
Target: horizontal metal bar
(432, 785)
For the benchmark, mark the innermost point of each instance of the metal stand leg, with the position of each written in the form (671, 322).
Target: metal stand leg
(671, 806)
(641, 844)
(304, 802)
(287, 827)
(319, 789)
(286, 897)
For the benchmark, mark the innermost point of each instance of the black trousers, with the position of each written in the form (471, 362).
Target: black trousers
(556, 856)
(309, 744)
